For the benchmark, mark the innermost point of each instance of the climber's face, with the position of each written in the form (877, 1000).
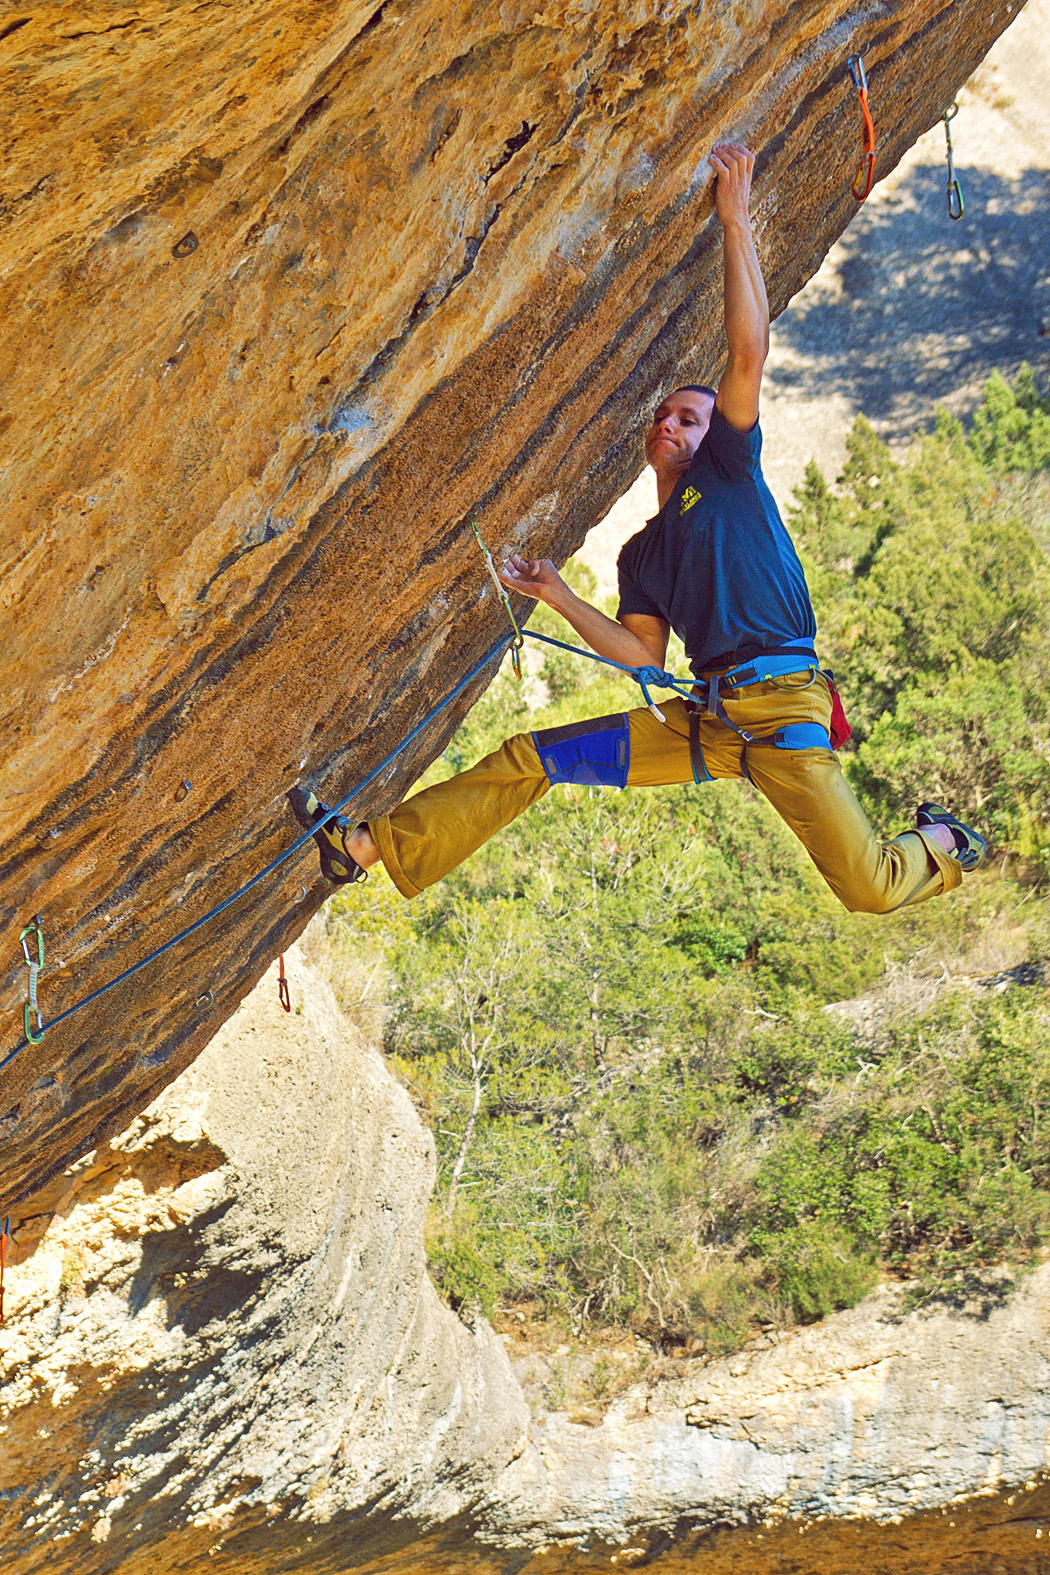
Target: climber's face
(680, 423)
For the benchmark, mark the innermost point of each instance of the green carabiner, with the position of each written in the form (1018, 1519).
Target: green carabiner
(34, 964)
(519, 638)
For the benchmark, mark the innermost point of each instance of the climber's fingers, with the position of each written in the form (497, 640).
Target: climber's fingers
(733, 164)
(733, 158)
(532, 576)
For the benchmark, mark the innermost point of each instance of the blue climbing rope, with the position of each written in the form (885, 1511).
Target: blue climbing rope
(643, 676)
(274, 864)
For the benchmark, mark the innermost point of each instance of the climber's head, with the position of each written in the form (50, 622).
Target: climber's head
(679, 425)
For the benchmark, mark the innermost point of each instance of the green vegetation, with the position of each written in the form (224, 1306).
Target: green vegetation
(613, 1017)
(931, 583)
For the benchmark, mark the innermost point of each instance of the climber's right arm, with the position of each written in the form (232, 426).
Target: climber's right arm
(637, 641)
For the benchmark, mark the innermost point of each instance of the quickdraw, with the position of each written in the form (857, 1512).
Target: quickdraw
(956, 205)
(501, 590)
(208, 999)
(282, 985)
(864, 179)
(32, 939)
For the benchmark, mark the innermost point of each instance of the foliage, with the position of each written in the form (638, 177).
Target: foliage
(613, 1015)
(933, 593)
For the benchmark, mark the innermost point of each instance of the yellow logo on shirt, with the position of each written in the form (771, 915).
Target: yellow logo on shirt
(689, 497)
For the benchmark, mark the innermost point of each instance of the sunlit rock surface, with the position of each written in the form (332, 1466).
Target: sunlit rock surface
(222, 1351)
(288, 293)
(226, 1320)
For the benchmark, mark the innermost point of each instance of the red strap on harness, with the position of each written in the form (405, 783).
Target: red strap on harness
(840, 731)
(282, 985)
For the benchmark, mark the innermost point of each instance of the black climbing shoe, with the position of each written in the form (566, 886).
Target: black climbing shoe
(336, 864)
(970, 846)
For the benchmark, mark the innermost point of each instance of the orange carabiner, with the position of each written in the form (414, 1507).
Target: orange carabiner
(864, 179)
(282, 984)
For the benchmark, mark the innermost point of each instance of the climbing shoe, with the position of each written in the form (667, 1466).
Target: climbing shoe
(336, 864)
(970, 846)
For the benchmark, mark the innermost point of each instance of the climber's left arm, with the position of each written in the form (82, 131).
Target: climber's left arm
(746, 305)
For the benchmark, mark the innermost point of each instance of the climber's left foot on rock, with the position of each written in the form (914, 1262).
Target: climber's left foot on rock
(334, 839)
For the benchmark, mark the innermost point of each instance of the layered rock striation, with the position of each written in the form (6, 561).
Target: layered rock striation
(222, 1346)
(289, 292)
(222, 1319)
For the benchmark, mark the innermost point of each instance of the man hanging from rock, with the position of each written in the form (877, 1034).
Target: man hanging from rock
(717, 565)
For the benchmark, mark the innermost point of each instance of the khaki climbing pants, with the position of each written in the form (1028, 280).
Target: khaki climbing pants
(789, 760)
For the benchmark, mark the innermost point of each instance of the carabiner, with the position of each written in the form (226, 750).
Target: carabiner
(956, 205)
(864, 179)
(282, 984)
(34, 964)
(519, 639)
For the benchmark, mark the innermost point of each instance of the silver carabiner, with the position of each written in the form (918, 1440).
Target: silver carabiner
(956, 205)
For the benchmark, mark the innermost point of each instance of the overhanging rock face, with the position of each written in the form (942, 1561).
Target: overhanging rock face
(288, 293)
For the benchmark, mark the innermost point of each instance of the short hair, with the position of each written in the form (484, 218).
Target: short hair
(695, 388)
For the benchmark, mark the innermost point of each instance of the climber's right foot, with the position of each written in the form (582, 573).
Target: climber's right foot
(337, 865)
(970, 847)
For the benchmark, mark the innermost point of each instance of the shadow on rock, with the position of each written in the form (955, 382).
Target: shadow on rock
(926, 308)
(177, 1265)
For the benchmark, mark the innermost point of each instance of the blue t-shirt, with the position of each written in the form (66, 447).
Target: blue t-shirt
(717, 562)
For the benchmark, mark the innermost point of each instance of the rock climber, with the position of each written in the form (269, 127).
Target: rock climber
(717, 565)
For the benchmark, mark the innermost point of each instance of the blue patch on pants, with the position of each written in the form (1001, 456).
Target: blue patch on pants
(595, 753)
(802, 735)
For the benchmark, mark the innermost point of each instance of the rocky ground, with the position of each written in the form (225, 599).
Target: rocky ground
(222, 1320)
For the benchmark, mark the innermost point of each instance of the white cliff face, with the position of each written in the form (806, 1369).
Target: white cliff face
(871, 1414)
(229, 1316)
(222, 1343)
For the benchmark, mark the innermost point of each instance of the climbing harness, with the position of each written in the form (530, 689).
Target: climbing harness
(32, 939)
(956, 206)
(864, 179)
(501, 590)
(4, 1235)
(597, 751)
(282, 985)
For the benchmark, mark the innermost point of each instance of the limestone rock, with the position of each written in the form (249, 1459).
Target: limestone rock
(289, 293)
(227, 1319)
(222, 1346)
(872, 1415)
